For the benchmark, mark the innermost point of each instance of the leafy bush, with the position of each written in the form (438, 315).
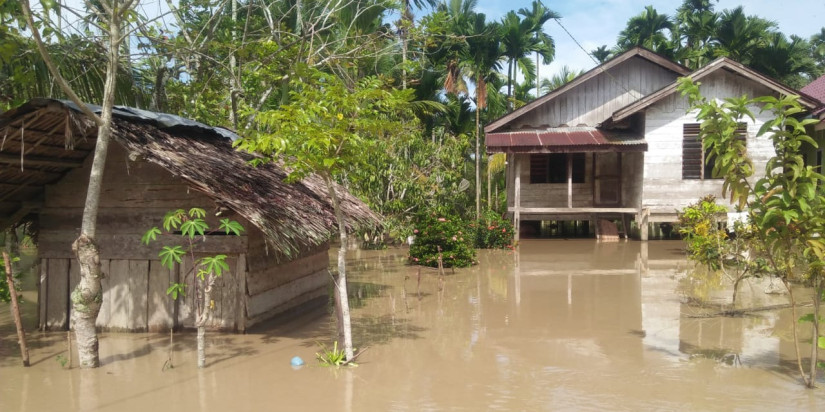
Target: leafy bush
(493, 231)
(454, 236)
(699, 227)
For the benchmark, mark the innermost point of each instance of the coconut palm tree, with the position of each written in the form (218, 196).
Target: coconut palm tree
(518, 41)
(695, 24)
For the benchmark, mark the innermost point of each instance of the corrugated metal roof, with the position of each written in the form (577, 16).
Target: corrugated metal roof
(564, 139)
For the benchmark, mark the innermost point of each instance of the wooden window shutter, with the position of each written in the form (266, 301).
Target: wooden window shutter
(539, 168)
(692, 153)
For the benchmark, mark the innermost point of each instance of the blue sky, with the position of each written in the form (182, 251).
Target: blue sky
(597, 22)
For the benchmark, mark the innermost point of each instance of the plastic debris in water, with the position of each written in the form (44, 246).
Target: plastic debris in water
(297, 362)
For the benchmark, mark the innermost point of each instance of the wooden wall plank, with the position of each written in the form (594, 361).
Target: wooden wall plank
(43, 293)
(275, 298)
(138, 292)
(161, 307)
(121, 306)
(241, 294)
(57, 278)
(116, 246)
(106, 303)
(186, 304)
(272, 276)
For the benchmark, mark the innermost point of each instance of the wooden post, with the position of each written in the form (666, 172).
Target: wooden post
(642, 220)
(15, 308)
(517, 201)
(570, 180)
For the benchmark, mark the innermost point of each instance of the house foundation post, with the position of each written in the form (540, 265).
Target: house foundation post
(517, 201)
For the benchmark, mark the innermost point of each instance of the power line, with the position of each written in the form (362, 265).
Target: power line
(598, 65)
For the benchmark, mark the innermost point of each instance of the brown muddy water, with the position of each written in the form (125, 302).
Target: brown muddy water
(560, 325)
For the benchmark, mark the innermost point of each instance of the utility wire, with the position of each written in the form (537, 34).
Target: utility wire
(598, 65)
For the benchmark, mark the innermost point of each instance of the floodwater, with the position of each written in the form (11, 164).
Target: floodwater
(560, 325)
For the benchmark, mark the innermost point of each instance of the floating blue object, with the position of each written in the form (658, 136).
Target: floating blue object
(297, 361)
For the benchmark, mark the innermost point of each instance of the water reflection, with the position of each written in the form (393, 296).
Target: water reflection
(558, 325)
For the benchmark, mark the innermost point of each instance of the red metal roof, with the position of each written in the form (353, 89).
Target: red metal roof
(564, 139)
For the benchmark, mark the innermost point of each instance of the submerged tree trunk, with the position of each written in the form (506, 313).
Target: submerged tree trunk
(15, 306)
(341, 281)
(203, 319)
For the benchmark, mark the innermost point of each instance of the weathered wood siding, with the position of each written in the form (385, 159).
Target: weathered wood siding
(275, 284)
(555, 194)
(134, 198)
(664, 190)
(595, 100)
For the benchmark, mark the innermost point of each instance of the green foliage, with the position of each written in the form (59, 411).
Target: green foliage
(332, 356)
(5, 293)
(176, 289)
(786, 207)
(493, 231)
(699, 227)
(169, 255)
(453, 236)
(190, 223)
(328, 126)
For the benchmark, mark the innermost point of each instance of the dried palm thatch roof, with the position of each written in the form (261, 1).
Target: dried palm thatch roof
(43, 139)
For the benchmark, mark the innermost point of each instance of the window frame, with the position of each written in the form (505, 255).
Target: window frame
(552, 168)
(692, 148)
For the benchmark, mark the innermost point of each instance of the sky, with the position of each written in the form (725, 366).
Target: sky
(598, 22)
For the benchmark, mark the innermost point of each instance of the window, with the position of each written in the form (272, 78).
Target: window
(552, 168)
(696, 163)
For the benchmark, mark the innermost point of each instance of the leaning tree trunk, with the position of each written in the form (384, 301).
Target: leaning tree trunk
(203, 319)
(87, 296)
(15, 306)
(345, 326)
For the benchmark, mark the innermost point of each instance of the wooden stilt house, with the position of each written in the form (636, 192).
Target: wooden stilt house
(157, 163)
(617, 143)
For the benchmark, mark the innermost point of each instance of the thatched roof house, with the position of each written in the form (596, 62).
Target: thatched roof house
(163, 162)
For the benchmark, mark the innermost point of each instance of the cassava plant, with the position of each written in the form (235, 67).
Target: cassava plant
(205, 270)
(786, 206)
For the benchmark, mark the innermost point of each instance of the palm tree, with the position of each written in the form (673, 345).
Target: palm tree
(538, 14)
(564, 76)
(789, 61)
(648, 30)
(601, 53)
(483, 62)
(695, 24)
(518, 41)
(407, 22)
(737, 35)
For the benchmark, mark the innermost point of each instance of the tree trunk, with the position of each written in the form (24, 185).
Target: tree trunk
(15, 306)
(815, 327)
(510, 85)
(478, 159)
(87, 296)
(341, 281)
(203, 319)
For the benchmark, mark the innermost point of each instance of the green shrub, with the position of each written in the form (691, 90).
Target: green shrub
(493, 231)
(454, 236)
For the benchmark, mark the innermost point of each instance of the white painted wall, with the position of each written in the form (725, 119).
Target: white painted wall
(664, 190)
